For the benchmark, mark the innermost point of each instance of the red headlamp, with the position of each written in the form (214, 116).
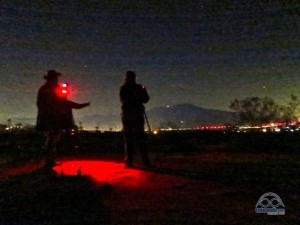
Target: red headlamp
(63, 90)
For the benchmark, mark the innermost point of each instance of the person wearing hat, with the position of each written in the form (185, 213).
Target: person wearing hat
(51, 114)
(133, 96)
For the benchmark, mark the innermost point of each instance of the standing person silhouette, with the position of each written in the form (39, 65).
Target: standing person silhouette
(133, 96)
(51, 118)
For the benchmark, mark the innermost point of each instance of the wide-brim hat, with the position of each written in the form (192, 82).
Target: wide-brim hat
(52, 74)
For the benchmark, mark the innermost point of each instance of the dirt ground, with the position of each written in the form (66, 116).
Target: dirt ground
(199, 188)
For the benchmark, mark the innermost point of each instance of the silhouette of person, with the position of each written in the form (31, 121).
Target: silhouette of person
(133, 96)
(54, 115)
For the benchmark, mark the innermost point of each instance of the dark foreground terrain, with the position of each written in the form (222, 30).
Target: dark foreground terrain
(196, 178)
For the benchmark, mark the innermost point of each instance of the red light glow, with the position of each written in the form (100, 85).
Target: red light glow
(101, 172)
(63, 91)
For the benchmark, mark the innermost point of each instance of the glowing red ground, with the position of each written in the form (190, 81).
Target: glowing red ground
(101, 171)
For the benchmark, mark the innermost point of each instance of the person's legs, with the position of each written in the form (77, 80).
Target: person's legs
(141, 139)
(52, 139)
(128, 141)
(129, 151)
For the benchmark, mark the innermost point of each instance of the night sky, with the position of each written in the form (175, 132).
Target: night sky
(201, 52)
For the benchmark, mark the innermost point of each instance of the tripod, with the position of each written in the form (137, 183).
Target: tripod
(147, 121)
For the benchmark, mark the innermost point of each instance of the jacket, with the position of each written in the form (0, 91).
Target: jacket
(132, 97)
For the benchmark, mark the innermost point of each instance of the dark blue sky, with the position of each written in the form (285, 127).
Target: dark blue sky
(202, 52)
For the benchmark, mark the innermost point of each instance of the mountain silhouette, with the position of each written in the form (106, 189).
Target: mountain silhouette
(187, 116)
(176, 116)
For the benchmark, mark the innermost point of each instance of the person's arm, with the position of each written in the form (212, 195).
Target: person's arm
(121, 94)
(75, 105)
(39, 100)
(45, 98)
(127, 95)
(144, 95)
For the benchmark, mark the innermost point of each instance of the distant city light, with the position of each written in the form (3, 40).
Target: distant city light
(220, 127)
